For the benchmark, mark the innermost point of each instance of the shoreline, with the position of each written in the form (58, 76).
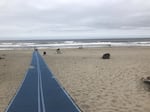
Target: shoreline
(73, 43)
(69, 47)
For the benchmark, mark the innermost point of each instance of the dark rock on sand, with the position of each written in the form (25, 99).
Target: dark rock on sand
(106, 56)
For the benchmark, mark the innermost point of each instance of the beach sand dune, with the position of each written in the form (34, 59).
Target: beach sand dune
(12, 70)
(99, 85)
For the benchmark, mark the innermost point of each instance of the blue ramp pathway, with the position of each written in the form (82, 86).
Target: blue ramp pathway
(40, 91)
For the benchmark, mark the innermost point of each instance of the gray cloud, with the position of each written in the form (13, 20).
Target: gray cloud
(69, 17)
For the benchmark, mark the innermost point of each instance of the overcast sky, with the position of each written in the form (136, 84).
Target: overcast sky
(73, 18)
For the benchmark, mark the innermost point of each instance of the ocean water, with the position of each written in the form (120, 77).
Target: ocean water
(42, 44)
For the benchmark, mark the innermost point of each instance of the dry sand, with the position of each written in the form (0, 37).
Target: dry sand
(96, 85)
(12, 70)
(99, 85)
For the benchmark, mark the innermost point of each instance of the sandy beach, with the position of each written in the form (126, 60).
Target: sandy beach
(12, 70)
(99, 85)
(95, 84)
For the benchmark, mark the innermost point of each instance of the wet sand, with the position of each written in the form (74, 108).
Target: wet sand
(95, 84)
(99, 85)
(12, 70)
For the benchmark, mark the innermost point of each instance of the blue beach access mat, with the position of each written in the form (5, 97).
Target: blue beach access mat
(41, 92)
